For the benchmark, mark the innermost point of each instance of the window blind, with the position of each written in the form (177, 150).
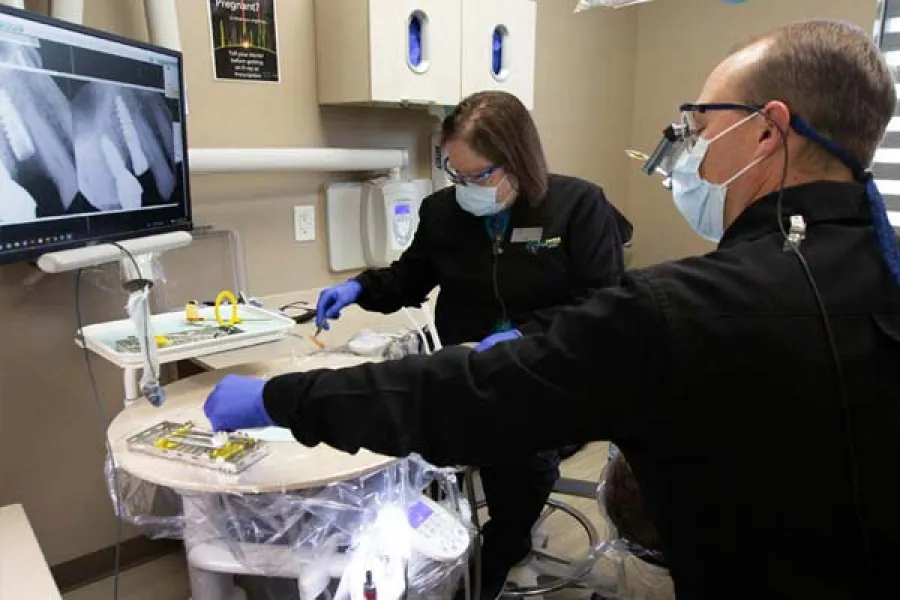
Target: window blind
(886, 166)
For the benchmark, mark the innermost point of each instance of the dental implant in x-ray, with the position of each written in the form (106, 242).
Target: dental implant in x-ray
(128, 188)
(124, 146)
(138, 159)
(16, 204)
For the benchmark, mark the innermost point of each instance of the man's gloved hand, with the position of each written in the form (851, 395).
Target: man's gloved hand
(492, 340)
(333, 300)
(237, 403)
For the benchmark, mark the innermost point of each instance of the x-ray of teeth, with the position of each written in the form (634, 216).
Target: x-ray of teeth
(36, 148)
(14, 130)
(75, 146)
(20, 55)
(124, 146)
(16, 204)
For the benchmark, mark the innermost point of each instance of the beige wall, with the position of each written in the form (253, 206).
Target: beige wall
(679, 42)
(50, 452)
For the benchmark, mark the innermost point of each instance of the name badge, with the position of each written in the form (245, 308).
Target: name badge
(522, 235)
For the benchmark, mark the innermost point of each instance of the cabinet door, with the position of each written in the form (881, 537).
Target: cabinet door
(498, 46)
(415, 50)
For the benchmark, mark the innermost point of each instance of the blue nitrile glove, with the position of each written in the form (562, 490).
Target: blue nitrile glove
(237, 403)
(503, 336)
(333, 300)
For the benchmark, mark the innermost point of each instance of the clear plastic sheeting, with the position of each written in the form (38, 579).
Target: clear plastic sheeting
(586, 4)
(138, 308)
(324, 538)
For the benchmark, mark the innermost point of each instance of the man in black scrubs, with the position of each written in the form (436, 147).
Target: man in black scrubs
(752, 390)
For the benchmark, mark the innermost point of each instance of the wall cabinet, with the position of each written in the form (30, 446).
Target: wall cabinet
(498, 47)
(388, 51)
(423, 51)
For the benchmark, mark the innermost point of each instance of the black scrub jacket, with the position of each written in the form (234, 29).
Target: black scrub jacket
(548, 256)
(713, 375)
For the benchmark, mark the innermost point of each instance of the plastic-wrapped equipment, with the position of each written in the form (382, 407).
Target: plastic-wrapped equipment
(586, 4)
(379, 523)
(139, 312)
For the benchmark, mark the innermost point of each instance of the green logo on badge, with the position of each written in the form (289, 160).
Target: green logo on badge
(553, 242)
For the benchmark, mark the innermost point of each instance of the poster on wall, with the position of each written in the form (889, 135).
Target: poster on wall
(244, 40)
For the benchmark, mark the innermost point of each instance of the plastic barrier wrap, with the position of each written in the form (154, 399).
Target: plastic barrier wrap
(586, 4)
(313, 535)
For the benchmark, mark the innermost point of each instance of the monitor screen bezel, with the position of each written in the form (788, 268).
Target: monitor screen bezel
(32, 253)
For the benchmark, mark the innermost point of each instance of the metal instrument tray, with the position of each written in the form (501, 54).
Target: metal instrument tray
(230, 453)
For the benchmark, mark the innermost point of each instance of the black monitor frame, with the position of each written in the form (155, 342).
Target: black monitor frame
(31, 252)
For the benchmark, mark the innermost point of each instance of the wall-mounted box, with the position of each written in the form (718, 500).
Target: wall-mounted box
(388, 51)
(498, 47)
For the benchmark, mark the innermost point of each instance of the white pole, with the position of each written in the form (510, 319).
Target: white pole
(68, 10)
(230, 160)
(162, 23)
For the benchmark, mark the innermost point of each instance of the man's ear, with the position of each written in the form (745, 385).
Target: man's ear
(774, 131)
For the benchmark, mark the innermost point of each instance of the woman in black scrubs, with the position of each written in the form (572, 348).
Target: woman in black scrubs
(507, 241)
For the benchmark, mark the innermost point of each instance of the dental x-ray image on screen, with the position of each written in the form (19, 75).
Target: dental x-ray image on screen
(71, 146)
(92, 137)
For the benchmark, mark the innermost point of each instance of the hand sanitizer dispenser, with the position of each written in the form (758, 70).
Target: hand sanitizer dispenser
(390, 216)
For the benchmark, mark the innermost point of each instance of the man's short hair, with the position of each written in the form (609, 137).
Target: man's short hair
(831, 74)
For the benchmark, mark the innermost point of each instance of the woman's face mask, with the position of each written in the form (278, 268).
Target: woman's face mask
(480, 200)
(700, 202)
(473, 176)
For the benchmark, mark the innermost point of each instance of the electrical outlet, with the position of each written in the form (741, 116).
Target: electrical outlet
(305, 223)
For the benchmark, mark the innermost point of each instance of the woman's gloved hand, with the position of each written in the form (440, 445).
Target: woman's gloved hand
(237, 403)
(334, 299)
(492, 340)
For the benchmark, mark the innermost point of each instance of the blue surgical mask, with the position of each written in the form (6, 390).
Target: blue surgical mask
(700, 202)
(479, 200)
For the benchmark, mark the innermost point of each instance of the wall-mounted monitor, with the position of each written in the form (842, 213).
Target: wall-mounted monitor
(92, 137)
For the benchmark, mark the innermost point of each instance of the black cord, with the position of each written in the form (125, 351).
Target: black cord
(102, 420)
(495, 277)
(835, 355)
(103, 424)
(295, 304)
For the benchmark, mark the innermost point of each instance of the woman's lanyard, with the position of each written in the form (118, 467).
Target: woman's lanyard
(496, 226)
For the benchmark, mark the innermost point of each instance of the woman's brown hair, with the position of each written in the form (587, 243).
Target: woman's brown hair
(497, 126)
